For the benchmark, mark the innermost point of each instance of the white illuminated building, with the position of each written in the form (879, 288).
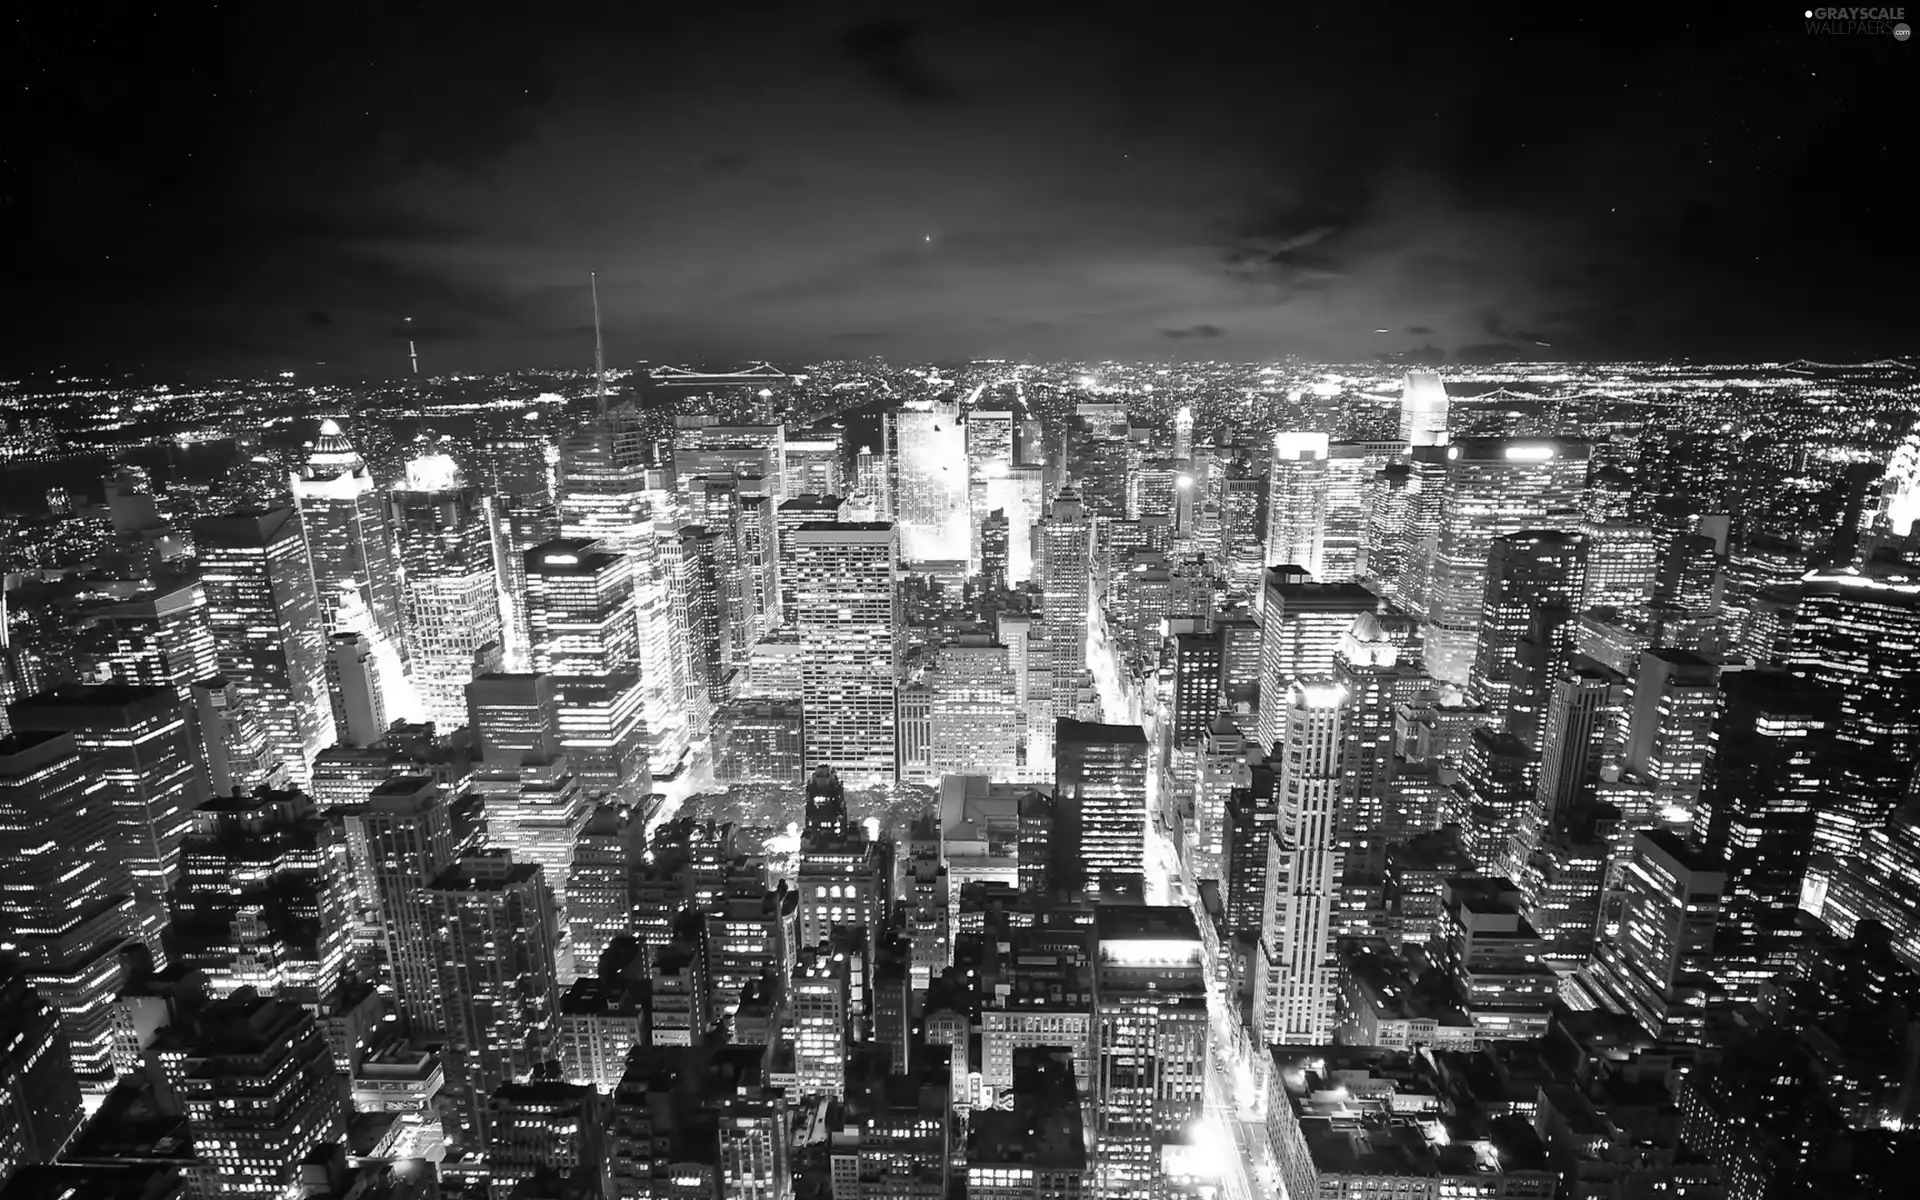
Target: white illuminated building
(930, 447)
(1297, 978)
(1297, 502)
(452, 595)
(1423, 409)
(1900, 487)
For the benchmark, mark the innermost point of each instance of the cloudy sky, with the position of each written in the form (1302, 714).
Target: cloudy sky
(264, 186)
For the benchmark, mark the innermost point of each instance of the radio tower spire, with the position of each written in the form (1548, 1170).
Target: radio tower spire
(599, 349)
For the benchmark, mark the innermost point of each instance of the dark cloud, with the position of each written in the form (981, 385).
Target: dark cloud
(320, 318)
(968, 178)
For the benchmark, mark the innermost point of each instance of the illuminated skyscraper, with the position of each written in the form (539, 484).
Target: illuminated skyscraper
(975, 722)
(160, 637)
(822, 1013)
(58, 913)
(846, 608)
(354, 689)
(1493, 487)
(1065, 568)
(1423, 409)
(1301, 624)
(1297, 502)
(268, 629)
(399, 841)
(1297, 980)
(1530, 577)
(1771, 758)
(1351, 468)
(257, 1081)
(240, 756)
(1100, 780)
(262, 901)
(1670, 722)
(1855, 633)
(930, 465)
(492, 928)
(344, 519)
(580, 609)
(1621, 562)
(452, 595)
(604, 496)
(1151, 1037)
(1658, 968)
(36, 1076)
(139, 744)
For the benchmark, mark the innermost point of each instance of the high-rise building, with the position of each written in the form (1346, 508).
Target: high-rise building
(604, 496)
(137, 743)
(1764, 782)
(1301, 624)
(39, 1095)
(975, 718)
(1490, 487)
(58, 910)
(268, 628)
(400, 841)
(846, 608)
(161, 637)
(1528, 575)
(1854, 633)
(240, 754)
(1151, 1034)
(1658, 967)
(1297, 502)
(492, 931)
(1100, 781)
(1621, 559)
(353, 689)
(1583, 716)
(1423, 409)
(1351, 469)
(1298, 980)
(930, 473)
(452, 596)
(822, 1013)
(1196, 686)
(343, 517)
(1670, 722)
(262, 902)
(580, 611)
(1065, 565)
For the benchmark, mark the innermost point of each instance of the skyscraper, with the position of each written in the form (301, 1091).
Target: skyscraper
(846, 609)
(1065, 568)
(268, 629)
(1492, 487)
(1658, 968)
(345, 523)
(1533, 578)
(930, 464)
(1297, 502)
(492, 930)
(452, 595)
(1423, 409)
(604, 496)
(1301, 624)
(399, 841)
(1100, 779)
(1298, 981)
(580, 609)
(39, 1095)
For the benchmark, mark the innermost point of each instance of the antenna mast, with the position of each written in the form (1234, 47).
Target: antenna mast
(599, 349)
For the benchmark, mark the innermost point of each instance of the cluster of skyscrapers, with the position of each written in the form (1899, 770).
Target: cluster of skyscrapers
(1157, 811)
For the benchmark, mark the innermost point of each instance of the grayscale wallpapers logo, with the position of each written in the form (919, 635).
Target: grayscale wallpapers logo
(1850, 22)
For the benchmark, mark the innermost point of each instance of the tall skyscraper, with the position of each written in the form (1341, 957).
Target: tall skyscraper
(1423, 409)
(344, 519)
(268, 629)
(399, 841)
(159, 637)
(258, 1085)
(1297, 502)
(846, 608)
(1670, 722)
(1065, 567)
(492, 931)
(452, 595)
(139, 745)
(975, 719)
(930, 465)
(240, 754)
(1298, 978)
(1621, 559)
(1301, 624)
(1530, 576)
(1491, 487)
(580, 609)
(604, 496)
(1152, 1040)
(1764, 781)
(58, 909)
(39, 1095)
(1351, 469)
(1100, 781)
(1658, 968)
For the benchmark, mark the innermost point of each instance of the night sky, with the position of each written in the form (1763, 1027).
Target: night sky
(267, 186)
